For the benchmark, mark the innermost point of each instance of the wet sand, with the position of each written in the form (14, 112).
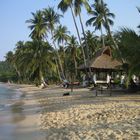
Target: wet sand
(48, 115)
(19, 121)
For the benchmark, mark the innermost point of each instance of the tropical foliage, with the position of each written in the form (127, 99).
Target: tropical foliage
(129, 46)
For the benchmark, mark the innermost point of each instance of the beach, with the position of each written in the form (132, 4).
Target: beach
(48, 115)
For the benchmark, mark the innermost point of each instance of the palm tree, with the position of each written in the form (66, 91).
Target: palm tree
(61, 36)
(97, 19)
(10, 60)
(71, 49)
(77, 8)
(35, 60)
(93, 43)
(101, 18)
(9, 57)
(38, 26)
(52, 19)
(63, 6)
(20, 45)
(108, 22)
(106, 14)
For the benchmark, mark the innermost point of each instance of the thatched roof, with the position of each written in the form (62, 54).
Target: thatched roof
(103, 60)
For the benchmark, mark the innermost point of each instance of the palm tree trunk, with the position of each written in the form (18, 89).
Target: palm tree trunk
(102, 37)
(41, 78)
(18, 73)
(59, 60)
(58, 69)
(115, 44)
(112, 39)
(75, 63)
(78, 35)
(128, 78)
(87, 47)
(64, 66)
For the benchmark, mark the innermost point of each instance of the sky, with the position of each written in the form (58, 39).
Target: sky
(14, 13)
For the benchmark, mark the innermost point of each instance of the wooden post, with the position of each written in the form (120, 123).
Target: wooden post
(110, 91)
(101, 90)
(96, 92)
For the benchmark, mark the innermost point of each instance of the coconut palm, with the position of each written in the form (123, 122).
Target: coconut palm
(97, 19)
(35, 60)
(38, 26)
(77, 8)
(63, 6)
(78, 4)
(61, 35)
(20, 45)
(93, 43)
(71, 50)
(9, 57)
(108, 22)
(12, 58)
(101, 18)
(52, 19)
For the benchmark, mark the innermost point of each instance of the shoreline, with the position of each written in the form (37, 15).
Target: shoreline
(81, 115)
(26, 112)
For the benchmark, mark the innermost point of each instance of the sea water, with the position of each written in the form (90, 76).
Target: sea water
(12, 113)
(7, 98)
(6, 95)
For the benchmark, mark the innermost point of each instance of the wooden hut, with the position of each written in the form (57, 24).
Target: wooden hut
(103, 61)
(103, 66)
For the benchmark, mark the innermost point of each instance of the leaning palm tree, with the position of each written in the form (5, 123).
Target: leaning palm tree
(106, 14)
(35, 60)
(52, 19)
(38, 32)
(61, 35)
(77, 8)
(97, 19)
(20, 45)
(63, 6)
(93, 43)
(78, 4)
(71, 49)
(10, 58)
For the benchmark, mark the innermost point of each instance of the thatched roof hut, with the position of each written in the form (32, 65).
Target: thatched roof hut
(103, 61)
